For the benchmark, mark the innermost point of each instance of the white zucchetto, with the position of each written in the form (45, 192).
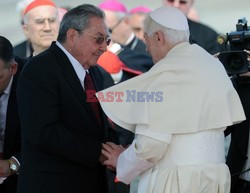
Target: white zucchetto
(170, 17)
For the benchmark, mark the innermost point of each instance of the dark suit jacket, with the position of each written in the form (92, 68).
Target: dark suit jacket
(135, 57)
(204, 36)
(12, 142)
(237, 154)
(24, 49)
(137, 45)
(61, 138)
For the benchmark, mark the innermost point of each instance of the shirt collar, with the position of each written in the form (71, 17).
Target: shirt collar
(80, 71)
(7, 90)
(131, 37)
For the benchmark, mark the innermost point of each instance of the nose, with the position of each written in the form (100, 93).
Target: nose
(103, 46)
(176, 4)
(47, 25)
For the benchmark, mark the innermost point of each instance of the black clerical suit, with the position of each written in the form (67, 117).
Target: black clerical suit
(135, 57)
(137, 45)
(204, 36)
(12, 140)
(24, 49)
(61, 137)
(237, 154)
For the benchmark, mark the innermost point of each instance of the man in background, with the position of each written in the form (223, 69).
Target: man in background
(238, 158)
(201, 34)
(130, 50)
(10, 131)
(136, 20)
(24, 48)
(40, 22)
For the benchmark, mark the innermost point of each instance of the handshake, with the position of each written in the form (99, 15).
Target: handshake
(109, 155)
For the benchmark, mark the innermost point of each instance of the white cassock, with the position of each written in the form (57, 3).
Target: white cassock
(179, 140)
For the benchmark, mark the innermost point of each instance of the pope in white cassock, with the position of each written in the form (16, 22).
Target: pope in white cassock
(179, 139)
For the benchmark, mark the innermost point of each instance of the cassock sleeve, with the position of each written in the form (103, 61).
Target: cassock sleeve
(141, 155)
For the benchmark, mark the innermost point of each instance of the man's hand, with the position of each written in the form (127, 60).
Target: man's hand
(102, 158)
(4, 168)
(111, 151)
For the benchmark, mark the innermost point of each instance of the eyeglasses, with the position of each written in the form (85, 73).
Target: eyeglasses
(116, 25)
(99, 39)
(183, 2)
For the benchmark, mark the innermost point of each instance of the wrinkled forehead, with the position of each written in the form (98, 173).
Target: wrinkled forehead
(45, 11)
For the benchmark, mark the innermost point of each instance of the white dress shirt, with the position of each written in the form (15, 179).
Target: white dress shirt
(4, 99)
(80, 71)
(3, 111)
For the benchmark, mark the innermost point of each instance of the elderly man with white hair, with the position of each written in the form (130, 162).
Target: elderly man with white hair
(178, 112)
(40, 22)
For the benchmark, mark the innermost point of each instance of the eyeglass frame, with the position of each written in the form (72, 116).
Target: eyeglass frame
(182, 2)
(99, 39)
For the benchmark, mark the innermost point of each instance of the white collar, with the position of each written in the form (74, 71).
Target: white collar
(80, 71)
(131, 37)
(8, 88)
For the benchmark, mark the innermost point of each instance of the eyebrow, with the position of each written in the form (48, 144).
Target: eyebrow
(101, 34)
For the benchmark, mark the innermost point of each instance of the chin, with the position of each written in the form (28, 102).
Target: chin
(47, 44)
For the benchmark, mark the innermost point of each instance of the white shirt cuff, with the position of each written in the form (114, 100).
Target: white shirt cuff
(16, 160)
(129, 165)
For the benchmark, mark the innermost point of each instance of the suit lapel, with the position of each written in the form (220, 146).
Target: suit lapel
(98, 82)
(72, 79)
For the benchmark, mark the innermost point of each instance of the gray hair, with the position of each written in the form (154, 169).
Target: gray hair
(172, 35)
(78, 18)
(26, 17)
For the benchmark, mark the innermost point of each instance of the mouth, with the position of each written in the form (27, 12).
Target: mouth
(48, 36)
(98, 54)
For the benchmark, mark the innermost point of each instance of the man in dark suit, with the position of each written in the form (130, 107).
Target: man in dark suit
(130, 50)
(10, 133)
(62, 132)
(238, 154)
(200, 34)
(40, 24)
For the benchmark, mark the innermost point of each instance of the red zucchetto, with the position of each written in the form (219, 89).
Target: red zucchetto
(37, 3)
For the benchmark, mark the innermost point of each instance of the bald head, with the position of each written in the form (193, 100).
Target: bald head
(165, 27)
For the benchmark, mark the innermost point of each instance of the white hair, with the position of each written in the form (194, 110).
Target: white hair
(26, 17)
(173, 36)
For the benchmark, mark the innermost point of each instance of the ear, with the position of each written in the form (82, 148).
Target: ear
(25, 29)
(126, 20)
(13, 68)
(71, 36)
(159, 38)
